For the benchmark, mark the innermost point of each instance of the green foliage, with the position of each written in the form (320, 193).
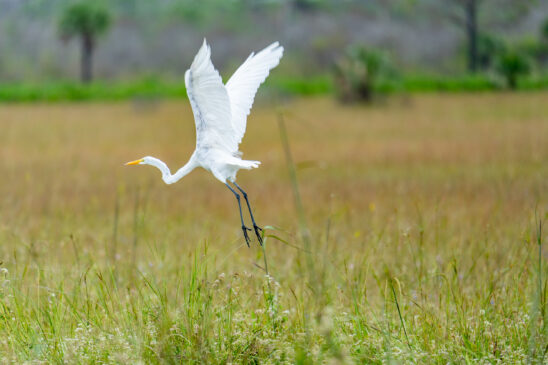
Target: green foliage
(464, 83)
(306, 5)
(544, 31)
(204, 14)
(155, 88)
(361, 73)
(84, 18)
(489, 47)
(512, 65)
(61, 91)
(541, 54)
(303, 86)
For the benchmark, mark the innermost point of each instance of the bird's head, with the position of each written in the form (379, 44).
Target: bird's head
(152, 161)
(160, 165)
(142, 161)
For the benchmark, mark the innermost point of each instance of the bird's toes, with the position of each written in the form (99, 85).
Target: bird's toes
(246, 236)
(258, 233)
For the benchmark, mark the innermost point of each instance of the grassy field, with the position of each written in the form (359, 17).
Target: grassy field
(418, 240)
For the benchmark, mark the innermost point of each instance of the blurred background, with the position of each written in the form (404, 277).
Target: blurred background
(411, 228)
(349, 46)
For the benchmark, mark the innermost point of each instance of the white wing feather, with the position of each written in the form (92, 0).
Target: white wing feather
(243, 85)
(210, 104)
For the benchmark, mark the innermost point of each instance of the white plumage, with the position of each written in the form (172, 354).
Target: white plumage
(220, 113)
(243, 85)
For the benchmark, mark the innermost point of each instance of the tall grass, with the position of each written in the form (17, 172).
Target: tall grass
(411, 236)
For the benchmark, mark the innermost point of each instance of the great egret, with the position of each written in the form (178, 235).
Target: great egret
(220, 113)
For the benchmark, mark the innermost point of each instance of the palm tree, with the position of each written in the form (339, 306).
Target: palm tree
(86, 21)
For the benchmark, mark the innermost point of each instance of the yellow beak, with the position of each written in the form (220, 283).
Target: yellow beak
(136, 162)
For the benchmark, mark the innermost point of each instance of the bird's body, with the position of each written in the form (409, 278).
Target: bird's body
(220, 113)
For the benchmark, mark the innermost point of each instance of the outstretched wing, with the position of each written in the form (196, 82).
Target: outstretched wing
(243, 85)
(210, 103)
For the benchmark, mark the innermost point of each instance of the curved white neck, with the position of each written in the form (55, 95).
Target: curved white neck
(166, 173)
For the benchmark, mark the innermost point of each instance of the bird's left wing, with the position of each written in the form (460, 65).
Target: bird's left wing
(210, 103)
(243, 85)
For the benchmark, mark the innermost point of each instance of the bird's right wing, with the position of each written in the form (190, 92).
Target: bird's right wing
(210, 103)
(243, 85)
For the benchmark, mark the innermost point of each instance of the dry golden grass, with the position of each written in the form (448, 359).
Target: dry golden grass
(429, 200)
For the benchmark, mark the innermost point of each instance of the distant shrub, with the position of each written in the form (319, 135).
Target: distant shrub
(513, 65)
(362, 74)
(542, 54)
(489, 48)
(535, 50)
(544, 31)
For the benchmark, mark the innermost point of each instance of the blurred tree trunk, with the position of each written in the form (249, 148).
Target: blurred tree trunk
(87, 55)
(464, 14)
(471, 7)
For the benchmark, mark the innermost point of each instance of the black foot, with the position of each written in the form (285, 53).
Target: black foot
(246, 236)
(258, 231)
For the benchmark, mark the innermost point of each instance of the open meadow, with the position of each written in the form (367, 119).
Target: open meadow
(418, 240)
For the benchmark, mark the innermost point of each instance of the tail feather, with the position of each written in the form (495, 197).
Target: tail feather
(247, 164)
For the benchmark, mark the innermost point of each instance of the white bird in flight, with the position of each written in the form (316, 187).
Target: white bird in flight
(220, 113)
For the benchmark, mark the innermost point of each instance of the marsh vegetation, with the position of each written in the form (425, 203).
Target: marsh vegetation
(419, 242)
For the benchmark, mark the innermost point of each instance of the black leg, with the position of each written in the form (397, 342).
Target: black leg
(255, 226)
(244, 228)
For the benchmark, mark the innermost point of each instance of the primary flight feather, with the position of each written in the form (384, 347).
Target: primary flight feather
(220, 113)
